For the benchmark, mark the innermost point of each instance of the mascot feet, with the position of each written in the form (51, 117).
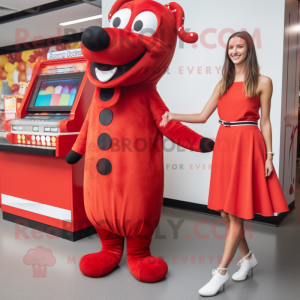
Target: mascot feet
(148, 269)
(98, 264)
(103, 262)
(142, 265)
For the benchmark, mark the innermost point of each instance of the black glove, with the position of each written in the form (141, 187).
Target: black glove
(206, 145)
(73, 157)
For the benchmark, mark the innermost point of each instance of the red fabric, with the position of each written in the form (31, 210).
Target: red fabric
(103, 262)
(128, 201)
(142, 265)
(238, 184)
(80, 144)
(134, 188)
(239, 107)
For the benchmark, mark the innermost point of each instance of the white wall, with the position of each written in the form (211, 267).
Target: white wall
(188, 93)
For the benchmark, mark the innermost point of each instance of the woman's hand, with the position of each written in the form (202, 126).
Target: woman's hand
(166, 117)
(269, 166)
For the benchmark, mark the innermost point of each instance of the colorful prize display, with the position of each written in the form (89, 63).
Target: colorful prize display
(57, 92)
(17, 67)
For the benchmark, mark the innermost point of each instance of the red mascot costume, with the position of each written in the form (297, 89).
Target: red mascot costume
(121, 137)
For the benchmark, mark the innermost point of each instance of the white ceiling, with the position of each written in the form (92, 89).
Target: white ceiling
(6, 11)
(46, 25)
(23, 4)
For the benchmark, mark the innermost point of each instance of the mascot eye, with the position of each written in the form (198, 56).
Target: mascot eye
(145, 23)
(121, 18)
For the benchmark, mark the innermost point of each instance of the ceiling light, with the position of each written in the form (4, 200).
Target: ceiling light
(80, 20)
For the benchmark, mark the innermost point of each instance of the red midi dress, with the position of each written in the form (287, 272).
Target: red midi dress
(238, 184)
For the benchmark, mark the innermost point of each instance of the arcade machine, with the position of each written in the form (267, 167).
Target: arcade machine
(38, 188)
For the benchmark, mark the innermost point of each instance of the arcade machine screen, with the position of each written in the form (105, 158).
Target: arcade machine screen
(55, 93)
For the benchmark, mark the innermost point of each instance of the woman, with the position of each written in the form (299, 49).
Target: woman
(243, 181)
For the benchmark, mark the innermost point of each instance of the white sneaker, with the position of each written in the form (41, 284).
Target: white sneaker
(245, 265)
(213, 286)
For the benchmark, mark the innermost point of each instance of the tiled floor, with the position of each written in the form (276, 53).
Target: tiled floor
(190, 261)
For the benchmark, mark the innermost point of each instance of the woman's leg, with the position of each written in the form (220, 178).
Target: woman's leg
(243, 246)
(234, 237)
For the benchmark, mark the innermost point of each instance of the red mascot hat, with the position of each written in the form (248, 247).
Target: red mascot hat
(121, 137)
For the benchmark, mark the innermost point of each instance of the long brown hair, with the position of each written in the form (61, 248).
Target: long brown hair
(251, 71)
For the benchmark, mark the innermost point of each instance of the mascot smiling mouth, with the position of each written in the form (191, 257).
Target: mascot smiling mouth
(105, 73)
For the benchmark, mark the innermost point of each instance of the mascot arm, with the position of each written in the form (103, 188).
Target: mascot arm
(175, 130)
(78, 148)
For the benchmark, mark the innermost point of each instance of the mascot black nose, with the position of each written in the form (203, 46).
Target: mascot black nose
(95, 38)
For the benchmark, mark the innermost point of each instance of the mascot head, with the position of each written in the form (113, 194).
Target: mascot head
(138, 46)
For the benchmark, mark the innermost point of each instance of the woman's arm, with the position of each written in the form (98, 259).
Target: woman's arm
(201, 117)
(266, 88)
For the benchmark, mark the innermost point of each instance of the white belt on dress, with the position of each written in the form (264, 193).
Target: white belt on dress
(238, 123)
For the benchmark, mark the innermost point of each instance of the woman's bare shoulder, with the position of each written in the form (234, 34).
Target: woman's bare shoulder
(219, 83)
(218, 86)
(264, 83)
